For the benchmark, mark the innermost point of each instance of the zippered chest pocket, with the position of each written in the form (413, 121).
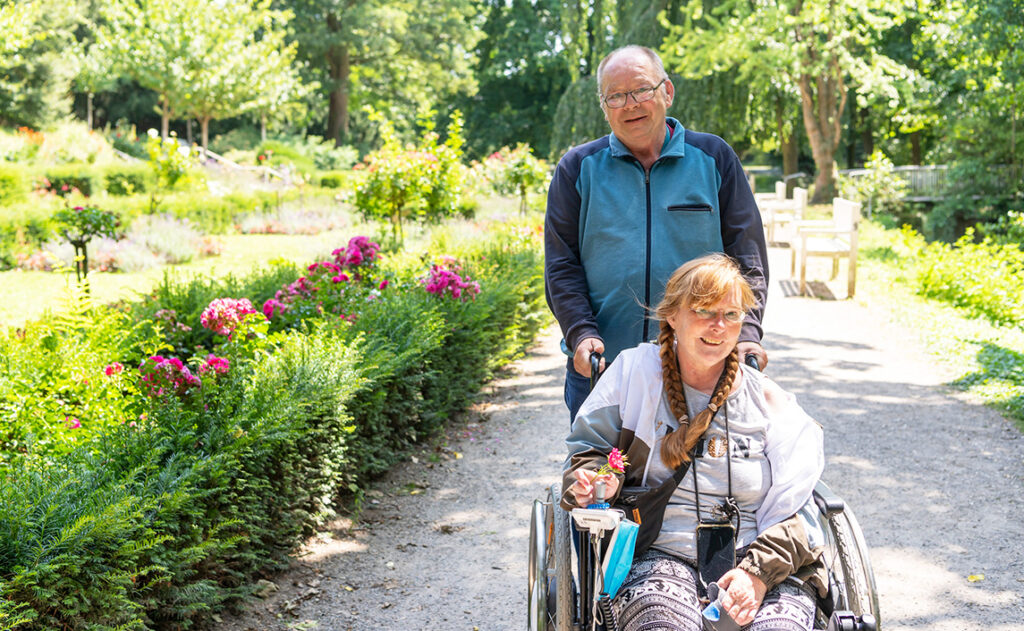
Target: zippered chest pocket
(690, 208)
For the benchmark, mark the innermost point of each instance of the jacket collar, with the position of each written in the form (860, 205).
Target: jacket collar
(674, 145)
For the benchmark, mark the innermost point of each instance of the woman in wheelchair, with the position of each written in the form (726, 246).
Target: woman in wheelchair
(753, 454)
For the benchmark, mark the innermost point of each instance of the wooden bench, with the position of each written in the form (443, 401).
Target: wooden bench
(784, 212)
(835, 239)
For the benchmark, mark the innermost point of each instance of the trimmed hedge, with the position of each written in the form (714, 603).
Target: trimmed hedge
(165, 515)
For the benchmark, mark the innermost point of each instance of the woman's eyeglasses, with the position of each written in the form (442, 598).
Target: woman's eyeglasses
(731, 315)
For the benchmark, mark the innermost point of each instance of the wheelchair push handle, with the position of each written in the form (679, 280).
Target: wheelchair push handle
(751, 360)
(595, 364)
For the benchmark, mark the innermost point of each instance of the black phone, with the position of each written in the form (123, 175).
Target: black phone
(716, 550)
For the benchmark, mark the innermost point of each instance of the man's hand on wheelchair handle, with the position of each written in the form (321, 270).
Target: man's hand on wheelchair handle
(744, 593)
(755, 349)
(583, 488)
(581, 356)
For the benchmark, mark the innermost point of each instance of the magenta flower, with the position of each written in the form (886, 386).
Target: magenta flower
(444, 280)
(273, 307)
(166, 375)
(384, 283)
(223, 315)
(340, 278)
(72, 423)
(215, 365)
(113, 369)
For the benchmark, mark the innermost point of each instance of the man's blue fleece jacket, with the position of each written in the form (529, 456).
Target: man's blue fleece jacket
(615, 233)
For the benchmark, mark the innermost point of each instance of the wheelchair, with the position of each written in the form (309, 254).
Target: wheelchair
(557, 604)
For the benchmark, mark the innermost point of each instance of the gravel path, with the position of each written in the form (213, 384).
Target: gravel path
(937, 483)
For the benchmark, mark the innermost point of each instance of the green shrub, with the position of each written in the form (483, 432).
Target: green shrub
(239, 138)
(60, 180)
(405, 185)
(986, 278)
(14, 184)
(278, 153)
(161, 514)
(336, 179)
(126, 179)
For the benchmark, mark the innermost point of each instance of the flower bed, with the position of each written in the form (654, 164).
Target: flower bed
(155, 459)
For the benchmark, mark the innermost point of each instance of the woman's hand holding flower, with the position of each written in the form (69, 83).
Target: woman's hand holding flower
(583, 488)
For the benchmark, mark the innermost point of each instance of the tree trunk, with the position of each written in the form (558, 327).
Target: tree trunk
(204, 134)
(165, 118)
(88, 109)
(867, 137)
(822, 100)
(337, 115)
(788, 145)
(188, 131)
(263, 126)
(915, 148)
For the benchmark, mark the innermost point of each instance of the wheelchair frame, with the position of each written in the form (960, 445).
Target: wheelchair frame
(850, 605)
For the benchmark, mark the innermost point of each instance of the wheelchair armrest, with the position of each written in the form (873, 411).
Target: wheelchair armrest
(828, 502)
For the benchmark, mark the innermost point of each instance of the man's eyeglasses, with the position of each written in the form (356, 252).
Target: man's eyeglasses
(732, 315)
(640, 95)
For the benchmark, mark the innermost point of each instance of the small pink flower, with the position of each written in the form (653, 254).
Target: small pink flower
(72, 423)
(113, 369)
(384, 283)
(616, 461)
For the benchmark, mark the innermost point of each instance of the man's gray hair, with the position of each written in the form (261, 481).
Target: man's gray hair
(659, 67)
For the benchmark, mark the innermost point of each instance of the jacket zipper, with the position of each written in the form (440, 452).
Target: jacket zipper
(647, 264)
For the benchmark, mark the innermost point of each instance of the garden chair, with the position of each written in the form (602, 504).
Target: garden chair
(785, 212)
(835, 239)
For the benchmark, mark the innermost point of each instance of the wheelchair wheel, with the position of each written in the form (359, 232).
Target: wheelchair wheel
(549, 593)
(564, 611)
(852, 567)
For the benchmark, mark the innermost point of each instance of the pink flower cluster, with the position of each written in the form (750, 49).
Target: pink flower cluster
(113, 369)
(166, 375)
(215, 366)
(351, 264)
(223, 315)
(444, 280)
(360, 252)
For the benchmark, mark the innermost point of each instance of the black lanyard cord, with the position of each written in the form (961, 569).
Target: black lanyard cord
(731, 508)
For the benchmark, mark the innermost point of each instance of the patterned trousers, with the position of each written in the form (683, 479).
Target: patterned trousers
(660, 594)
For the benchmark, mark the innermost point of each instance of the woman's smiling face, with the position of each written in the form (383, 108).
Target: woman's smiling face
(705, 342)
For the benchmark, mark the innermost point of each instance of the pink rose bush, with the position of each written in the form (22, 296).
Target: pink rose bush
(214, 366)
(337, 287)
(223, 315)
(446, 279)
(166, 375)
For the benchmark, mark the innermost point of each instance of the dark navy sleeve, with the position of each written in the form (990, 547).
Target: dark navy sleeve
(743, 237)
(565, 282)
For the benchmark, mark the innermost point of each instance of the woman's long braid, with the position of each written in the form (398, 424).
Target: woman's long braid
(676, 447)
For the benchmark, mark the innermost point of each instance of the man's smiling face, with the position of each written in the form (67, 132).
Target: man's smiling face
(640, 126)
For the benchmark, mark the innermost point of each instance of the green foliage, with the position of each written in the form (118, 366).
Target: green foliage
(517, 172)
(878, 188)
(14, 184)
(82, 224)
(123, 510)
(338, 179)
(986, 278)
(1008, 229)
(520, 81)
(169, 158)
(404, 183)
(124, 180)
(65, 179)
